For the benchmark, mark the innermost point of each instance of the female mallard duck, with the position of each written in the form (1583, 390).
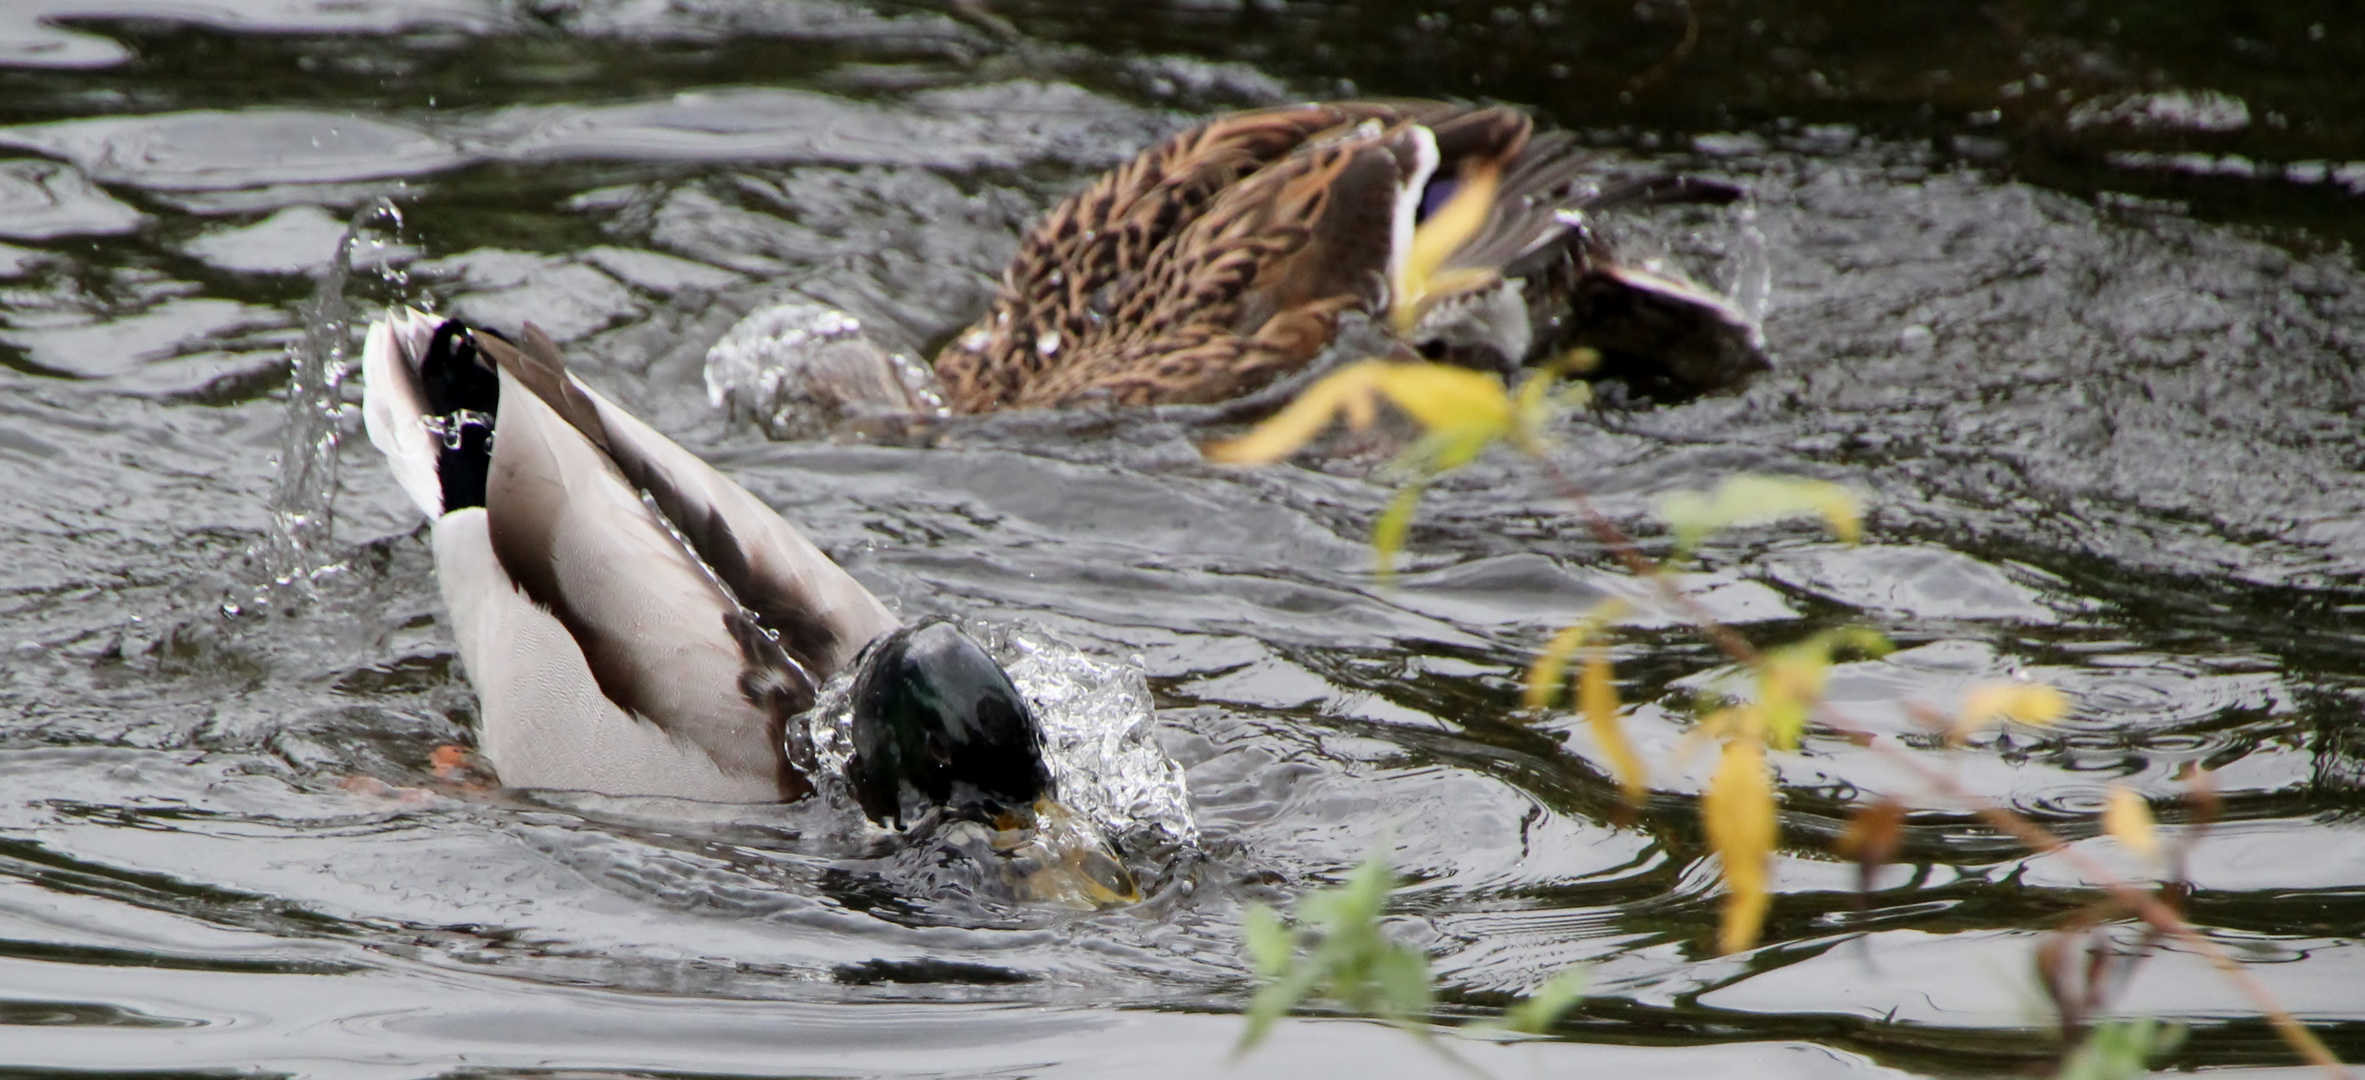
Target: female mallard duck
(637, 624)
(1227, 255)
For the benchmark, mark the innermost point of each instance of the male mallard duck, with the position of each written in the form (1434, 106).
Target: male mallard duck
(1226, 256)
(637, 624)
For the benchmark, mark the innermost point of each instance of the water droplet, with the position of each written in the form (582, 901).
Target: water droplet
(1047, 343)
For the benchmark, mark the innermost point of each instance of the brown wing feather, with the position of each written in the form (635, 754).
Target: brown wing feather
(1547, 177)
(1224, 256)
(1289, 247)
(1073, 270)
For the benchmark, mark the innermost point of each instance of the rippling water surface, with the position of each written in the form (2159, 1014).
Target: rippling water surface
(2098, 371)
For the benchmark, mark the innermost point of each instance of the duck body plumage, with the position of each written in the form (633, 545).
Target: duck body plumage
(1227, 256)
(634, 622)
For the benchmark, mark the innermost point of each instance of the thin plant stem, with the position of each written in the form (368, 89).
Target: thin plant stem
(2034, 837)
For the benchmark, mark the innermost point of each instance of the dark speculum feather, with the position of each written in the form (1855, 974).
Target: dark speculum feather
(937, 719)
(1439, 192)
(463, 397)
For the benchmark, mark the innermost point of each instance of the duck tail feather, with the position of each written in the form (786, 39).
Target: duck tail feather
(818, 614)
(1537, 185)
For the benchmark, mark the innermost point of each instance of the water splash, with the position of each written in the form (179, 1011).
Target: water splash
(1099, 736)
(1749, 272)
(303, 502)
(805, 370)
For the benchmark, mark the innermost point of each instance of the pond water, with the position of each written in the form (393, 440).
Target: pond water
(2065, 293)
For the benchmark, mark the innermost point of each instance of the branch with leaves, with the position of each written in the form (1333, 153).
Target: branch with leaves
(1462, 414)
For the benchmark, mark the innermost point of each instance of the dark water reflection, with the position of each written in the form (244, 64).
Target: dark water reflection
(2105, 406)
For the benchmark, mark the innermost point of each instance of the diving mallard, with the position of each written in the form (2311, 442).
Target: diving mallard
(635, 623)
(1227, 256)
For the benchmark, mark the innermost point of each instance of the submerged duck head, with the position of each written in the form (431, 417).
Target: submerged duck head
(938, 727)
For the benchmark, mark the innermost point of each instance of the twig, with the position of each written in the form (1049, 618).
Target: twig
(2032, 836)
(2144, 904)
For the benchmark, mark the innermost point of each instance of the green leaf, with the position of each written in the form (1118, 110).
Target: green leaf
(1535, 1014)
(1273, 1002)
(1785, 723)
(1855, 641)
(1355, 904)
(1757, 500)
(1790, 679)
(1352, 960)
(2120, 1050)
(1402, 977)
(1269, 942)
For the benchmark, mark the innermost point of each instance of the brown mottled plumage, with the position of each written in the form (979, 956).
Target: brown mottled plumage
(1224, 257)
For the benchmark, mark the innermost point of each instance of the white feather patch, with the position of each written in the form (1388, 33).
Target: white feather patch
(393, 408)
(545, 723)
(1408, 203)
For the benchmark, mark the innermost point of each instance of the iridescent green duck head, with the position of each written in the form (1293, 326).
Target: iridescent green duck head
(940, 729)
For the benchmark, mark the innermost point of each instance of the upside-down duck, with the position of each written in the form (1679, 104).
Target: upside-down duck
(635, 623)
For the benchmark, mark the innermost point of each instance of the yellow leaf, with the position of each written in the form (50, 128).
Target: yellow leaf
(1789, 684)
(1387, 534)
(1543, 676)
(1348, 390)
(1534, 403)
(1577, 361)
(1435, 240)
(1738, 811)
(1597, 698)
(2035, 704)
(1466, 410)
(1535, 393)
(2128, 819)
(1444, 397)
(1734, 722)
